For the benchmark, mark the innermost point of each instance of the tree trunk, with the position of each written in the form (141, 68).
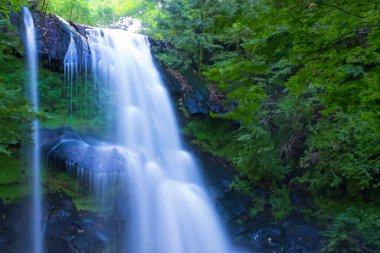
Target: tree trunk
(71, 12)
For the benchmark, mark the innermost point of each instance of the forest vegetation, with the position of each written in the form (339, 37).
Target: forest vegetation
(301, 85)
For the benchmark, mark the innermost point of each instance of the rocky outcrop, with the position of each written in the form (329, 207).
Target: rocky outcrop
(63, 145)
(67, 230)
(189, 90)
(53, 37)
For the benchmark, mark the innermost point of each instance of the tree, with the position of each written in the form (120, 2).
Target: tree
(7, 6)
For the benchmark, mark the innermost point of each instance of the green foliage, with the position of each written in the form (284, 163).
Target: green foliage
(280, 202)
(50, 89)
(241, 185)
(100, 13)
(353, 231)
(345, 148)
(213, 135)
(8, 6)
(257, 158)
(258, 206)
(15, 112)
(190, 34)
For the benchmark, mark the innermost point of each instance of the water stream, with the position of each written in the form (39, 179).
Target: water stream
(36, 216)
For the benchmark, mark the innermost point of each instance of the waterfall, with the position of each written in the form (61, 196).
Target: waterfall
(167, 206)
(36, 216)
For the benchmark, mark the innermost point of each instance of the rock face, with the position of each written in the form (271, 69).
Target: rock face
(188, 88)
(53, 37)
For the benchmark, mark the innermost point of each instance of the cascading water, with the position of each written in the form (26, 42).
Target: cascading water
(71, 73)
(168, 208)
(31, 50)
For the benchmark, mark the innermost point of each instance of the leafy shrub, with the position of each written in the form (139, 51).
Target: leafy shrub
(354, 230)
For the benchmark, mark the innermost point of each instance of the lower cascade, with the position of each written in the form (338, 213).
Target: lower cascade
(166, 204)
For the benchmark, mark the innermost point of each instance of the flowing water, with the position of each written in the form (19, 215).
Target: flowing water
(167, 206)
(36, 216)
(71, 73)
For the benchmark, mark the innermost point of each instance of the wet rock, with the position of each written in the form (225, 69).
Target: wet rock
(301, 237)
(292, 235)
(267, 239)
(82, 158)
(7, 234)
(76, 231)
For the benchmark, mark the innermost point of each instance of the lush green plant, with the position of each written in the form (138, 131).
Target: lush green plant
(7, 6)
(342, 152)
(213, 135)
(280, 202)
(353, 231)
(15, 112)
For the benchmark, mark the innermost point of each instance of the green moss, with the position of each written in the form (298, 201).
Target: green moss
(60, 182)
(10, 170)
(13, 179)
(90, 203)
(94, 125)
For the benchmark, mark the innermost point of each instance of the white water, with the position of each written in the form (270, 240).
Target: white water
(71, 73)
(36, 216)
(168, 208)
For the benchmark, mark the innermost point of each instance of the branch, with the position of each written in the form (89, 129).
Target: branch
(341, 9)
(363, 247)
